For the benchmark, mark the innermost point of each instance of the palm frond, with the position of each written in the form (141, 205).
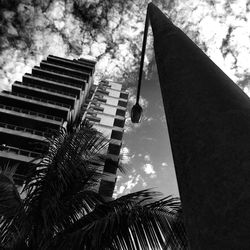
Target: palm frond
(63, 210)
(60, 189)
(12, 212)
(135, 221)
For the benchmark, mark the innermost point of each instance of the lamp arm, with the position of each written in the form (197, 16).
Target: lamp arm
(144, 43)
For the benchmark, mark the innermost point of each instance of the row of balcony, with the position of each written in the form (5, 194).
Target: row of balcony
(43, 101)
(30, 97)
(64, 71)
(24, 129)
(38, 87)
(106, 89)
(70, 80)
(29, 106)
(30, 112)
(75, 64)
(7, 148)
(53, 97)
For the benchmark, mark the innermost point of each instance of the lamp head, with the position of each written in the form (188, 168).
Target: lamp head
(136, 113)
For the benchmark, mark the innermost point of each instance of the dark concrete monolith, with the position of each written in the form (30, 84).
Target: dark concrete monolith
(208, 118)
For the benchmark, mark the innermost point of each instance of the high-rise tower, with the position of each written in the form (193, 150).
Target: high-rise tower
(57, 93)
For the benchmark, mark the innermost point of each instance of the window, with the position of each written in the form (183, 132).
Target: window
(119, 123)
(114, 149)
(120, 112)
(124, 95)
(116, 135)
(122, 104)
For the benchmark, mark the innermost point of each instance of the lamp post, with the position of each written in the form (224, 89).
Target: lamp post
(136, 111)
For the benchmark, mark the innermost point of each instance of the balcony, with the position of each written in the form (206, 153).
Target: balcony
(38, 99)
(86, 62)
(24, 129)
(52, 76)
(70, 64)
(36, 86)
(52, 97)
(23, 140)
(64, 71)
(52, 85)
(17, 154)
(21, 101)
(29, 119)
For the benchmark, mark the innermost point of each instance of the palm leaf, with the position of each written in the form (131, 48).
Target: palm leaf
(63, 210)
(12, 212)
(134, 221)
(61, 189)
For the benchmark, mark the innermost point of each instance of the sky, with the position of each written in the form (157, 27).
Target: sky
(112, 32)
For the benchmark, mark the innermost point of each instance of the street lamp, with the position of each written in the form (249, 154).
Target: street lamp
(136, 111)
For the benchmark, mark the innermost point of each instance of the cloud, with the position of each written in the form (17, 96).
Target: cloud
(163, 119)
(125, 155)
(125, 185)
(164, 164)
(220, 28)
(148, 168)
(125, 150)
(149, 119)
(247, 90)
(147, 157)
(148, 138)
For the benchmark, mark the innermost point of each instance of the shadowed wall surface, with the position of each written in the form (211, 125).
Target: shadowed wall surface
(208, 118)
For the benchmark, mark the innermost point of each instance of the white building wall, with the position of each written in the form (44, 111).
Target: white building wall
(106, 120)
(105, 131)
(114, 93)
(111, 101)
(115, 85)
(108, 109)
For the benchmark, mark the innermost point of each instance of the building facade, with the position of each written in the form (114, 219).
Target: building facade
(58, 92)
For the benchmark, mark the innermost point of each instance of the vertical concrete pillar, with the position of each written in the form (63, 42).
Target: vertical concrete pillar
(208, 119)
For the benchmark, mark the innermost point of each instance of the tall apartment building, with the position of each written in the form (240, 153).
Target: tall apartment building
(56, 93)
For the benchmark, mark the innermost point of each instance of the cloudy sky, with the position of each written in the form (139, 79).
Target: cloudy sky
(111, 32)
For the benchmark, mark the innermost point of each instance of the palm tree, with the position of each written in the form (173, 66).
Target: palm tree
(60, 208)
